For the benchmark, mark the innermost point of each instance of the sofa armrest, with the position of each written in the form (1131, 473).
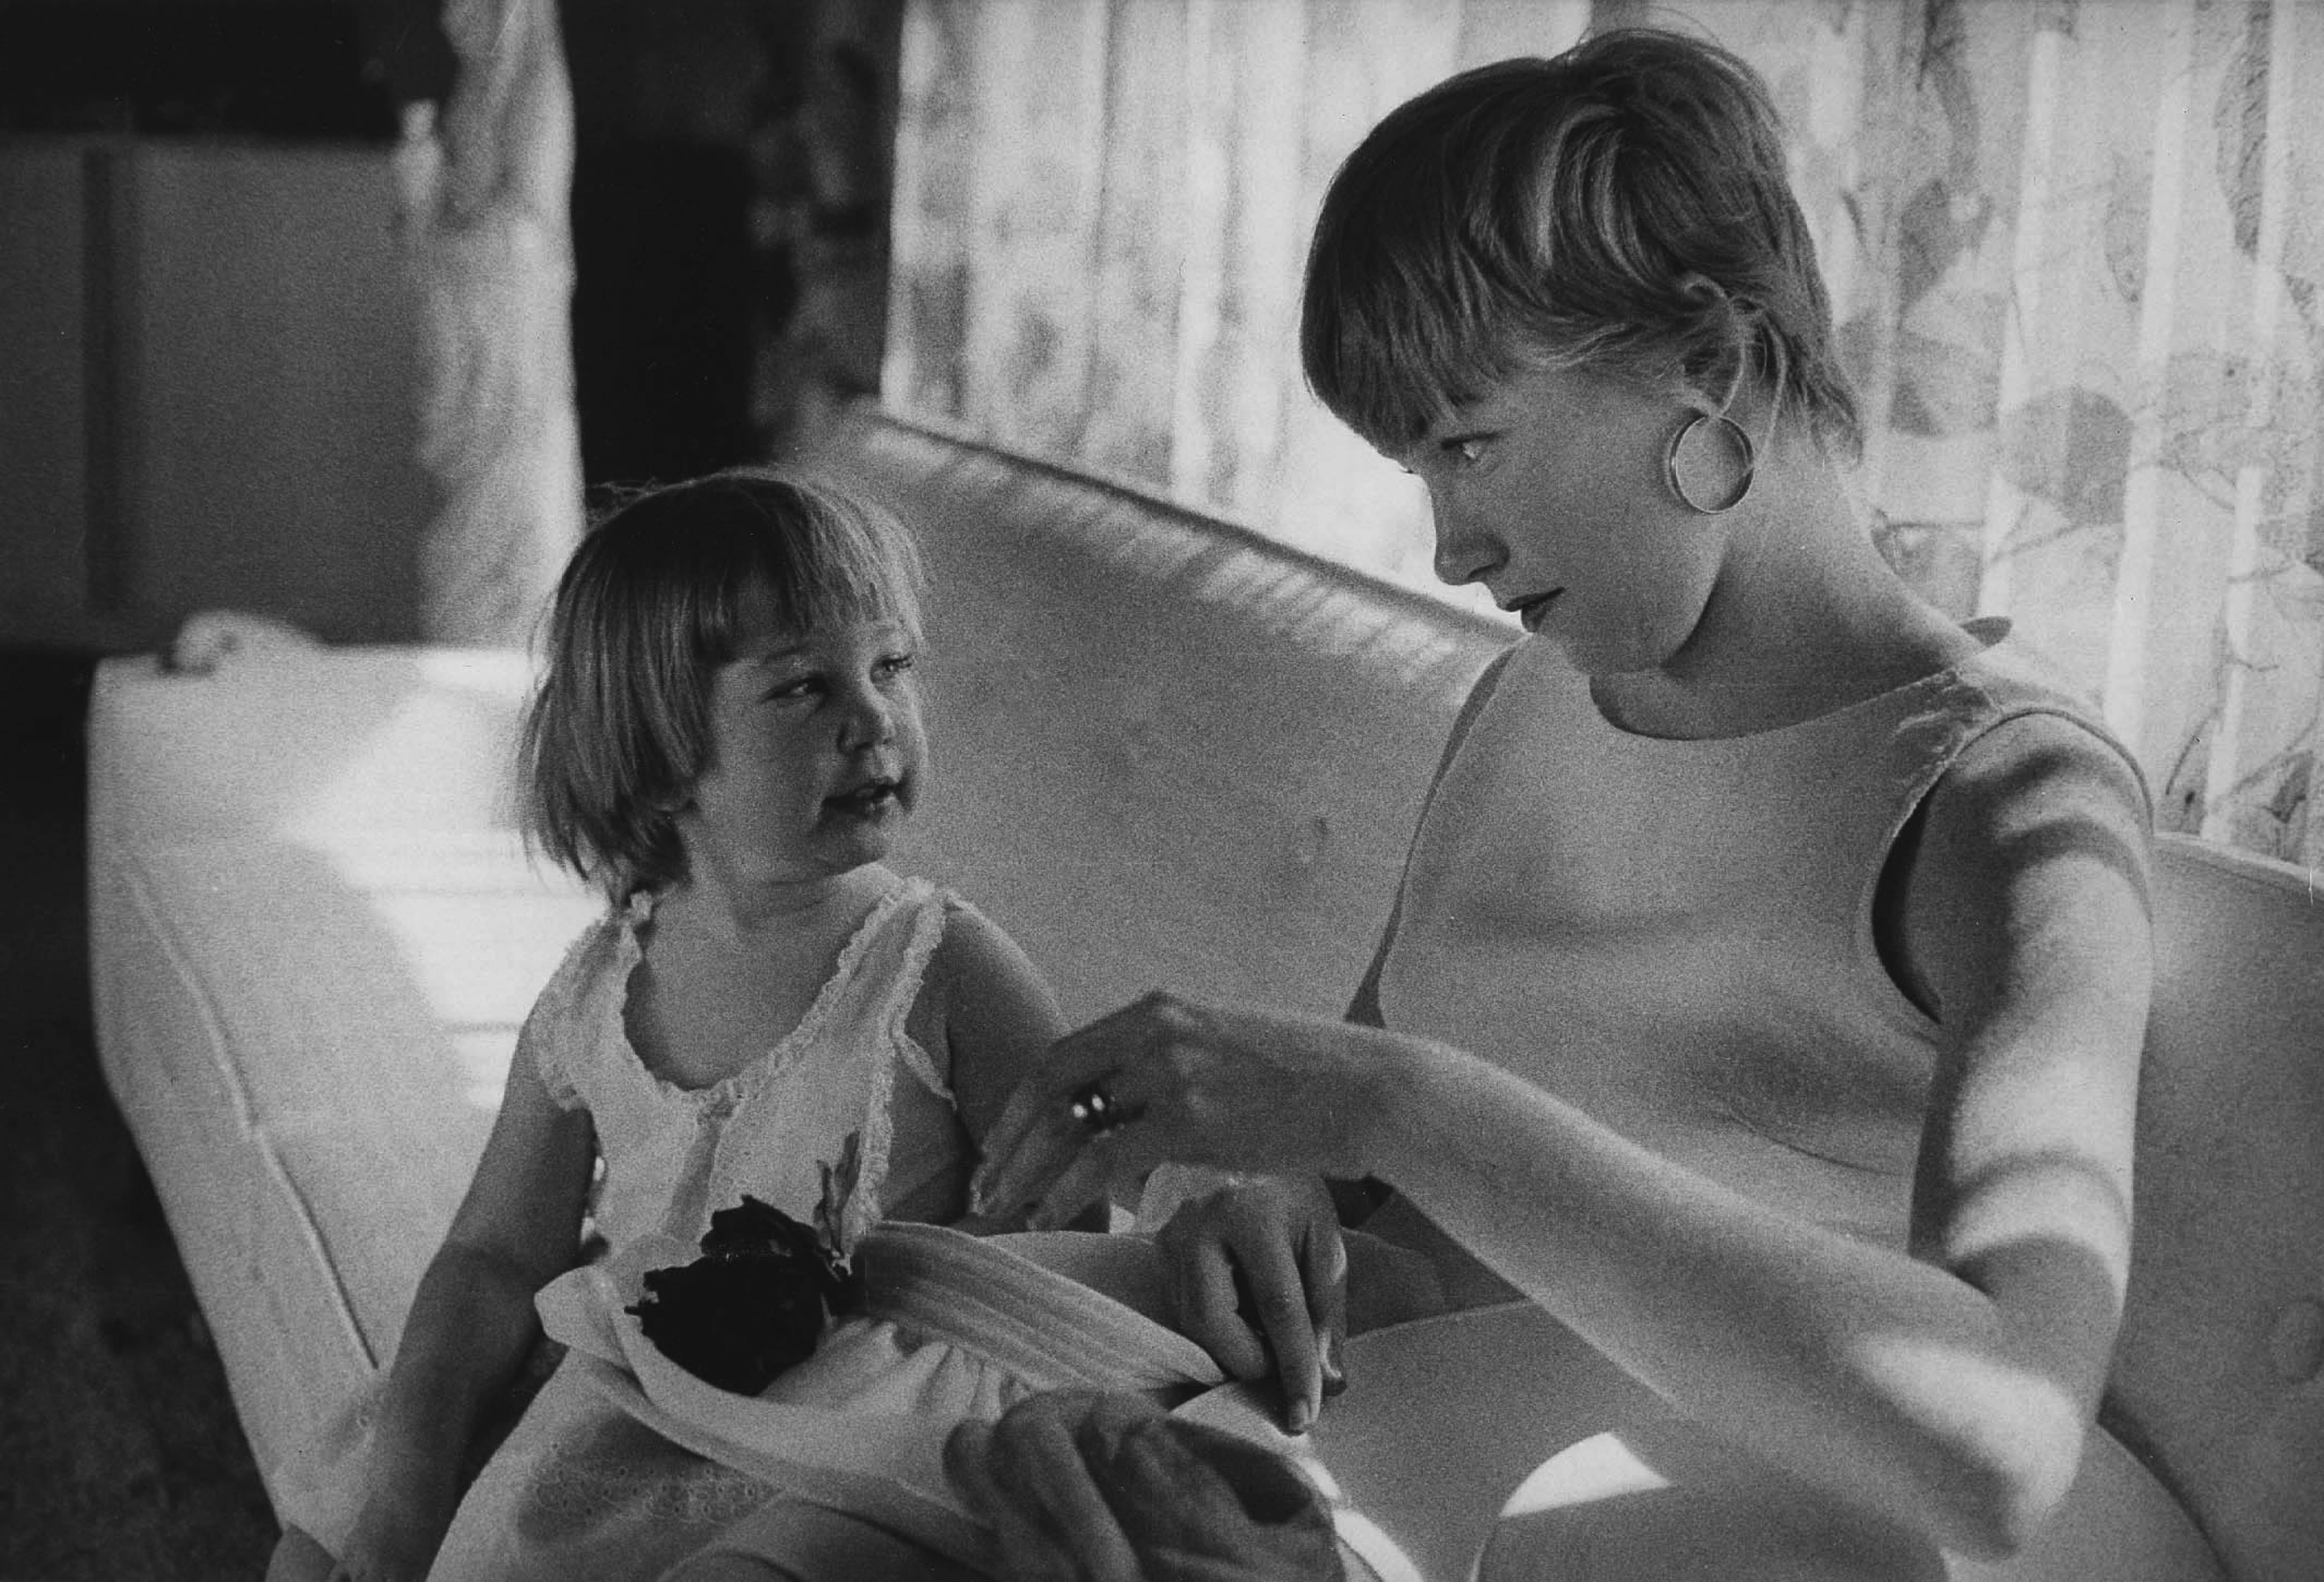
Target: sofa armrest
(356, 738)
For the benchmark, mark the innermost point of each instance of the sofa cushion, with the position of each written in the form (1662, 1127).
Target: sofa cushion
(276, 741)
(313, 938)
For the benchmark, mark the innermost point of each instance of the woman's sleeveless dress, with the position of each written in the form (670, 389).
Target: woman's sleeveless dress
(580, 1487)
(1699, 916)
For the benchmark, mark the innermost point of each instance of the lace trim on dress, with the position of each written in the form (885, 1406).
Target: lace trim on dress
(612, 1034)
(728, 1092)
(548, 1043)
(922, 1065)
(928, 934)
(864, 1208)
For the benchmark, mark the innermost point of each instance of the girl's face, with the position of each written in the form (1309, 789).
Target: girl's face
(816, 753)
(1549, 490)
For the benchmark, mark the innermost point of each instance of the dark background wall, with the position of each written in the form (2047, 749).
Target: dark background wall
(173, 438)
(730, 224)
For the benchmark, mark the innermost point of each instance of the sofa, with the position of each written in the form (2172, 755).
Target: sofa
(1169, 752)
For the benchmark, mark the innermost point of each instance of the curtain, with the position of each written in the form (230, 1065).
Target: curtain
(484, 192)
(2076, 251)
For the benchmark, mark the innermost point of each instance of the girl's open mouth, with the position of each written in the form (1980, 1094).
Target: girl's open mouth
(868, 800)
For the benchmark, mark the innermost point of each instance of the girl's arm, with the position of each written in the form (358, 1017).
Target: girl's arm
(471, 1321)
(990, 1007)
(1949, 1385)
(1000, 1015)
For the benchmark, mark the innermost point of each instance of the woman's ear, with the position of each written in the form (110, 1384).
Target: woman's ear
(1727, 386)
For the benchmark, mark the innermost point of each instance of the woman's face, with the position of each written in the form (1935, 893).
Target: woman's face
(817, 751)
(1550, 489)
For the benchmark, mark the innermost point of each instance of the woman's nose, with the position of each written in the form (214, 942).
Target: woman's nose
(1463, 555)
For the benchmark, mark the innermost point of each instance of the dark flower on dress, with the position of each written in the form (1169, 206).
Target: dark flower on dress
(756, 1302)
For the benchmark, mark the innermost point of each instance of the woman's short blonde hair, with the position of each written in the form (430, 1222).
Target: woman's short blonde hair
(653, 602)
(1622, 208)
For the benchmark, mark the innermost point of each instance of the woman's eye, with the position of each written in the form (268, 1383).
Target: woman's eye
(804, 686)
(895, 665)
(1468, 450)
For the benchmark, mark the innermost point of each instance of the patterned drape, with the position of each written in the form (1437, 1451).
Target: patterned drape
(484, 191)
(2077, 251)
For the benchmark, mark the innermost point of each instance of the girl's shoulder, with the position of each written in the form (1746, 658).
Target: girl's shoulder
(974, 969)
(944, 942)
(970, 945)
(985, 1012)
(608, 942)
(598, 960)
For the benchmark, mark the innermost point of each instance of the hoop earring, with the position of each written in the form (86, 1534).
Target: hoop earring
(1739, 441)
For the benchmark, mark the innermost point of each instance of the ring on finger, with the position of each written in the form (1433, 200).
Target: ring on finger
(1098, 1112)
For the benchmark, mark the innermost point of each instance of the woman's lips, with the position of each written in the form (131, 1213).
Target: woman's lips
(1532, 612)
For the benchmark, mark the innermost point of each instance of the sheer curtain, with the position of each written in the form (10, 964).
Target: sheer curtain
(2077, 252)
(484, 190)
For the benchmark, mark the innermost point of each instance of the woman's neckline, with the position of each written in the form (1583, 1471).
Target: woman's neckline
(1989, 631)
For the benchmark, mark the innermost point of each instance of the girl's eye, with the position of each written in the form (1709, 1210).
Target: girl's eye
(801, 686)
(895, 665)
(1469, 449)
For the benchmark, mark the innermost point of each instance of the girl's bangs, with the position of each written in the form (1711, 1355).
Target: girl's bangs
(834, 562)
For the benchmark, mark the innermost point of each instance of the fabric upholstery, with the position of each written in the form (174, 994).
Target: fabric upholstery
(1167, 752)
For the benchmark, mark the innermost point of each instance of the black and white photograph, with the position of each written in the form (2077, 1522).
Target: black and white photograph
(1162, 790)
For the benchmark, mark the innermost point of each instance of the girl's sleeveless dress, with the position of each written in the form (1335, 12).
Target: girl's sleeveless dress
(580, 1487)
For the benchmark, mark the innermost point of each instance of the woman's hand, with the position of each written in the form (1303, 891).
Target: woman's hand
(1258, 1279)
(1079, 1486)
(1167, 1078)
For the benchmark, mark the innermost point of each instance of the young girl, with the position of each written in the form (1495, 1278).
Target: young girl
(726, 740)
(1764, 994)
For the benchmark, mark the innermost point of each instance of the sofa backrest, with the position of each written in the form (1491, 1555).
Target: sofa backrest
(1180, 755)
(2219, 1375)
(1167, 752)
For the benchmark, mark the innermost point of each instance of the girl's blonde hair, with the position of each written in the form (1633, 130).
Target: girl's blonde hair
(1622, 208)
(653, 602)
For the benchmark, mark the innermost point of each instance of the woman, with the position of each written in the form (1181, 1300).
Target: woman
(1764, 993)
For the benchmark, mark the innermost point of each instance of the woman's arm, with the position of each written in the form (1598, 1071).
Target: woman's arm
(1258, 1263)
(471, 1321)
(1949, 1385)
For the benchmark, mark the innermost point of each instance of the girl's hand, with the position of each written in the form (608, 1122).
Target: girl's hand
(1167, 1079)
(395, 1539)
(1258, 1278)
